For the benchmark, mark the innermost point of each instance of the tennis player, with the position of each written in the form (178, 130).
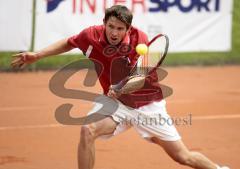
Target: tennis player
(116, 38)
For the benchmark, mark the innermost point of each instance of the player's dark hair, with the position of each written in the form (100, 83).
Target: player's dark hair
(120, 12)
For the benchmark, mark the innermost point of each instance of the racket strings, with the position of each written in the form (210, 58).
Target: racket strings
(156, 53)
(143, 65)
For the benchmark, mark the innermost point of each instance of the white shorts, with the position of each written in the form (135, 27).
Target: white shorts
(151, 120)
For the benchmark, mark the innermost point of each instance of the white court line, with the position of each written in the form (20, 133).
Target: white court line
(20, 108)
(217, 117)
(213, 117)
(31, 127)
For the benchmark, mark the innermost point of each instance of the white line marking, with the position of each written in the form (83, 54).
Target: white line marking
(212, 117)
(216, 117)
(31, 127)
(21, 108)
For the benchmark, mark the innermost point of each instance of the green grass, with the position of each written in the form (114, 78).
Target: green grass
(49, 63)
(5, 60)
(236, 28)
(202, 59)
(173, 59)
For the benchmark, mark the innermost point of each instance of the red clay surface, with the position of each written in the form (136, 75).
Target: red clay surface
(31, 138)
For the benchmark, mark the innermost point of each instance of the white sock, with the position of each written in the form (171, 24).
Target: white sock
(224, 167)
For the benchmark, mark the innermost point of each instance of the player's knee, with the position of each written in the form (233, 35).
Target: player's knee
(88, 133)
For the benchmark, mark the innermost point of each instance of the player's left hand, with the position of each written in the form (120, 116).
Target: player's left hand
(20, 60)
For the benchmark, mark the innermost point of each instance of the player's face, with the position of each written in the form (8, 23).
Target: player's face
(115, 30)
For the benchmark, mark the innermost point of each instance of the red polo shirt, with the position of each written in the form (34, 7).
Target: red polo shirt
(112, 63)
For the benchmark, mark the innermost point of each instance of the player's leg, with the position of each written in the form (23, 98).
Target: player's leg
(115, 124)
(161, 132)
(86, 150)
(179, 152)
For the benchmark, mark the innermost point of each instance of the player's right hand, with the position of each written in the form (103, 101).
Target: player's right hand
(113, 94)
(20, 60)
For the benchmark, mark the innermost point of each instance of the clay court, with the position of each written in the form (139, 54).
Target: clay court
(31, 138)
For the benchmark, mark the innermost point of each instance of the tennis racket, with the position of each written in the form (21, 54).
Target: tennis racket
(145, 65)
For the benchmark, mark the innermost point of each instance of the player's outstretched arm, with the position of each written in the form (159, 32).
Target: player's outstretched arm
(22, 59)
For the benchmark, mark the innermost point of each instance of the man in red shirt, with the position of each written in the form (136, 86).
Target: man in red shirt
(117, 39)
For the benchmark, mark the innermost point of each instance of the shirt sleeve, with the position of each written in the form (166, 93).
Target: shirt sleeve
(80, 40)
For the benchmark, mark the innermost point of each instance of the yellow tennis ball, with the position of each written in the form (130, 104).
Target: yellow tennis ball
(141, 49)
